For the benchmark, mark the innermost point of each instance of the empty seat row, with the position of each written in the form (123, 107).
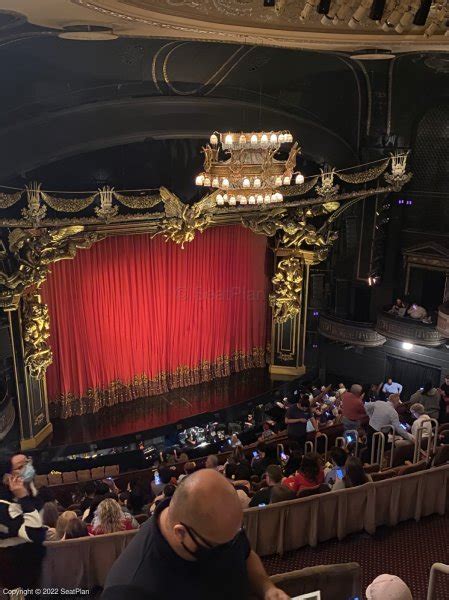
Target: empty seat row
(76, 476)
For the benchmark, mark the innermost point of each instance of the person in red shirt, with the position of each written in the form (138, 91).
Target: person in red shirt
(352, 407)
(110, 518)
(310, 474)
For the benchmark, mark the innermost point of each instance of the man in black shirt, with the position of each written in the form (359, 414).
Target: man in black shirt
(193, 548)
(273, 477)
(296, 421)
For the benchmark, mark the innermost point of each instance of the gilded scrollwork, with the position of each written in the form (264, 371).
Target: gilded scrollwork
(36, 331)
(285, 299)
(35, 211)
(32, 252)
(181, 221)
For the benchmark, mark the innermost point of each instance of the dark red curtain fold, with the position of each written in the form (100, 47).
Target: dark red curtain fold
(135, 316)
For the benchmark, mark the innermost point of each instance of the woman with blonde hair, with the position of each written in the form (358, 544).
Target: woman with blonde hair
(62, 522)
(109, 518)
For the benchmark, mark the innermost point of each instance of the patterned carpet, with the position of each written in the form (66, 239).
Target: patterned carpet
(407, 550)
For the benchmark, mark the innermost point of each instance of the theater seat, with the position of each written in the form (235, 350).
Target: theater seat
(69, 477)
(112, 471)
(441, 456)
(382, 475)
(408, 469)
(41, 480)
(318, 489)
(83, 475)
(54, 478)
(97, 472)
(374, 468)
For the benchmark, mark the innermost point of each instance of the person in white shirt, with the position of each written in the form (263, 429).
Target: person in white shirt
(422, 420)
(391, 387)
(383, 414)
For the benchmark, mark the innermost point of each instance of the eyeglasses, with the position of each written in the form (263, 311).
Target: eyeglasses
(196, 537)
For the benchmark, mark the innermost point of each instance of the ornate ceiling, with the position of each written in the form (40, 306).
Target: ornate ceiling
(295, 23)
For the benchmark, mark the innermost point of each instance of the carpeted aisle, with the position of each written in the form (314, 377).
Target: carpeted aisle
(407, 550)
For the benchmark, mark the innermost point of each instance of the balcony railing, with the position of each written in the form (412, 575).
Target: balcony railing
(350, 332)
(405, 329)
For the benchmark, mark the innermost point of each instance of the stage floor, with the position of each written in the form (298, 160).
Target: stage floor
(156, 411)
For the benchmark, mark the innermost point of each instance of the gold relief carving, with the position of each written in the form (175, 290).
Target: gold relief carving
(33, 251)
(364, 176)
(138, 202)
(287, 287)
(69, 205)
(8, 200)
(181, 221)
(286, 356)
(106, 211)
(36, 331)
(35, 211)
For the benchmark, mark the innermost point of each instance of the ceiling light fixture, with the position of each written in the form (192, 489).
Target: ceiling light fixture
(243, 168)
(407, 346)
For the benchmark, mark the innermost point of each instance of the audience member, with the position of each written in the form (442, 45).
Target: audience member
(123, 499)
(273, 477)
(89, 490)
(338, 457)
(168, 492)
(421, 420)
(264, 455)
(76, 529)
(388, 587)
(341, 389)
(242, 493)
(444, 402)
(136, 498)
(354, 475)
(183, 457)
(429, 397)
(161, 478)
(267, 432)
(391, 387)
(21, 532)
(102, 491)
(399, 308)
(353, 410)
(109, 518)
(50, 515)
(212, 462)
(235, 441)
(296, 419)
(310, 474)
(62, 522)
(237, 467)
(204, 548)
(382, 415)
(189, 468)
(294, 459)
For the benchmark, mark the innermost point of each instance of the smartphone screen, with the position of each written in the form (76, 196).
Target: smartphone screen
(340, 473)
(284, 456)
(255, 453)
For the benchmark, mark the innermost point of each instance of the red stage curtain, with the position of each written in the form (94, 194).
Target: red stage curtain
(135, 316)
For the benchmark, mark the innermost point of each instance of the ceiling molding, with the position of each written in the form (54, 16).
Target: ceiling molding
(151, 19)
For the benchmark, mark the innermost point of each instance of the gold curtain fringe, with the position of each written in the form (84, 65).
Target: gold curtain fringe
(141, 386)
(138, 202)
(364, 176)
(69, 205)
(8, 200)
(299, 189)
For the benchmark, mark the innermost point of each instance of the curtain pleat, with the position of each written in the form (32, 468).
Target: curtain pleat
(135, 316)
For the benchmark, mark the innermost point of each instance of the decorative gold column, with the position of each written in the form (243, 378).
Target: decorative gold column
(289, 301)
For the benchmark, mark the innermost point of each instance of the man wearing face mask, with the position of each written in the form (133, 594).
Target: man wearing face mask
(193, 548)
(22, 466)
(21, 530)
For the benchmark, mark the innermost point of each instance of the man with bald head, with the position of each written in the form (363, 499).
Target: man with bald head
(193, 548)
(352, 407)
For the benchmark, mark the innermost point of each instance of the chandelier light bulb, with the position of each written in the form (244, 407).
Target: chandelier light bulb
(215, 182)
(267, 199)
(206, 182)
(274, 138)
(246, 182)
(288, 138)
(279, 197)
(264, 139)
(281, 138)
(278, 180)
(257, 182)
(287, 180)
(232, 201)
(199, 180)
(252, 200)
(225, 197)
(214, 139)
(259, 199)
(229, 140)
(225, 182)
(244, 200)
(220, 200)
(242, 139)
(274, 197)
(254, 139)
(299, 179)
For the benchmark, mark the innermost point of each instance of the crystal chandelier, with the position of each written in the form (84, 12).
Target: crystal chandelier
(243, 169)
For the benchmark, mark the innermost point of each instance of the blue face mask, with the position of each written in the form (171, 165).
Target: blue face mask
(28, 473)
